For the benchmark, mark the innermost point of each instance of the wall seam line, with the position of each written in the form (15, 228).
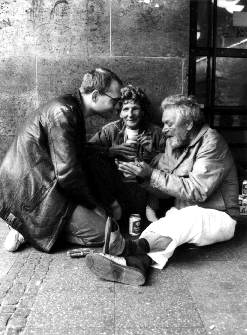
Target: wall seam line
(110, 30)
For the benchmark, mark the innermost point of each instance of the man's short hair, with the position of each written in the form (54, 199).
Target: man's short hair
(134, 93)
(99, 79)
(186, 108)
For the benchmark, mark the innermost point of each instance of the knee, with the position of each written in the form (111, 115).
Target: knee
(156, 241)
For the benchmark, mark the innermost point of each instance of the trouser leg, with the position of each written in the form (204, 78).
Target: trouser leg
(102, 178)
(108, 187)
(191, 224)
(85, 227)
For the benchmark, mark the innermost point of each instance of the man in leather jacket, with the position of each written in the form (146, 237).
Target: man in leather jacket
(44, 189)
(197, 169)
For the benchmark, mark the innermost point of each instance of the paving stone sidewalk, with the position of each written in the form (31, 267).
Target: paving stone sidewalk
(201, 291)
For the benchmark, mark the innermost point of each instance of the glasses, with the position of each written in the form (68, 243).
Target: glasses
(115, 100)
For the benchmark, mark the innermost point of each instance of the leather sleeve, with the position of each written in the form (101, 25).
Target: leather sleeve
(99, 139)
(67, 145)
(97, 144)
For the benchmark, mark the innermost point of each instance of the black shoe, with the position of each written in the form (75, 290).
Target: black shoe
(114, 269)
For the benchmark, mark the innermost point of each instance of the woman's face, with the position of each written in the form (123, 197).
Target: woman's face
(131, 114)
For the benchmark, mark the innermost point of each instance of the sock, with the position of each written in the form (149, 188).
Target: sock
(141, 262)
(136, 247)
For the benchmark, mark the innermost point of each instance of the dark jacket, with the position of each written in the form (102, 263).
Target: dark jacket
(204, 174)
(42, 178)
(114, 134)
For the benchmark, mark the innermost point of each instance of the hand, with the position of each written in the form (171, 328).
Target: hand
(146, 142)
(137, 169)
(100, 211)
(126, 175)
(125, 150)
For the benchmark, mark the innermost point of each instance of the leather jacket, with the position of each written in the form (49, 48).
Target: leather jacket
(202, 174)
(42, 177)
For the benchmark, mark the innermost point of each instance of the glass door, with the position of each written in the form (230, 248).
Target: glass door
(218, 68)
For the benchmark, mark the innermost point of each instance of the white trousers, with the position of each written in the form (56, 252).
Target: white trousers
(192, 224)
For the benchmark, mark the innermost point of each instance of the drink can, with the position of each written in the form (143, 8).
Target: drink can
(135, 224)
(244, 189)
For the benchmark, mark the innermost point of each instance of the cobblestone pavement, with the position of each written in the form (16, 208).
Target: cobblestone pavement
(201, 291)
(19, 289)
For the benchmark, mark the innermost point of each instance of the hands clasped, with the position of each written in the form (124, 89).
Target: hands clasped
(129, 150)
(140, 169)
(125, 150)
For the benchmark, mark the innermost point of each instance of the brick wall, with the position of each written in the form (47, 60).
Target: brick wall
(47, 45)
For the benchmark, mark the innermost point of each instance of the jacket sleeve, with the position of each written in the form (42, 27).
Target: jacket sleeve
(211, 165)
(98, 144)
(69, 165)
(99, 139)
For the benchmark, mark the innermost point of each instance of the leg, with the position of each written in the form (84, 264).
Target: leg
(192, 224)
(112, 191)
(103, 177)
(100, 174)
(85, 228)
(134, 198)
(127, 270)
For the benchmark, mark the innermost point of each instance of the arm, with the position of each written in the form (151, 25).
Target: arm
(98, 144)
(66, 149)
(152, 143)
(107, 139)
(212, 162)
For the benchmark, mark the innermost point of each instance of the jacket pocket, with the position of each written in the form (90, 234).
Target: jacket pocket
(36, 198)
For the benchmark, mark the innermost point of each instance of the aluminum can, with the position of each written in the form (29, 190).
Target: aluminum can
(242, 200)
(244, 187)
(135, 224)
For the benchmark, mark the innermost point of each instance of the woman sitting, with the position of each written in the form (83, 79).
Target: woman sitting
(130, 138)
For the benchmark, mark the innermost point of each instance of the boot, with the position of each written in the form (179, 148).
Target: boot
(114, 241)
(113, 268)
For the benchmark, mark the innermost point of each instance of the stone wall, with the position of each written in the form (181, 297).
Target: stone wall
(47, 45)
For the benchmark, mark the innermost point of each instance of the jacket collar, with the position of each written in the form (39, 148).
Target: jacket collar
(201, 132)
(78, 97)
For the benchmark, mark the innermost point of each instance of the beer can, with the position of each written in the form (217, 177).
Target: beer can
(135, 224)
(244, 187)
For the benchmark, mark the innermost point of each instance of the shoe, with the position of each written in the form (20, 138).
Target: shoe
(114, 241)
(13, 240)
(114, 269)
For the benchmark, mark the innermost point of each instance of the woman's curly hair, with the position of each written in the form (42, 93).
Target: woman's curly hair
(134, 93)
